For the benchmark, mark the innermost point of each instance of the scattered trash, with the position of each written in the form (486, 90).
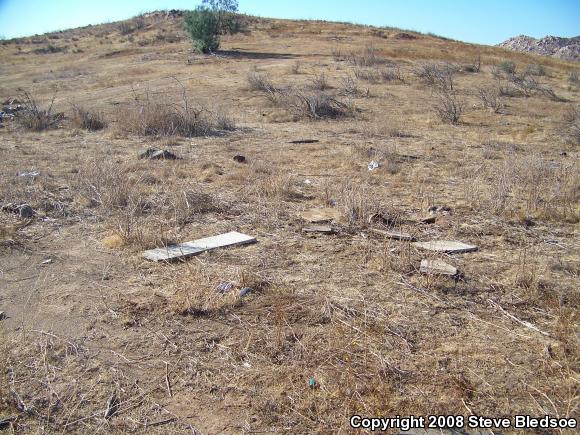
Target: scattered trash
(247, 365)
(239, 158)
(25, 211)
(112, 406)
(378, 218)
(397, 235)
(157, 154)
(196, 247)
(447, 246)
(6, 421)
(428, 220)
(22, 210)
(304, 141)
(224, 287)
(323, 215)
(307, 181)
(245, 291)
(373, 165)
(439, 209)
(437, 267)
(47, 261)
(28, 174)
(326, 229)
(312, 382)
(2, 315)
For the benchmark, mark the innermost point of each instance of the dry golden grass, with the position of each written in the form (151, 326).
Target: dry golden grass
(92, 326)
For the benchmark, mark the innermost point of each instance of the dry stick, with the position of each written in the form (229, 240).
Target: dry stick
(521, 322)
(167, 383)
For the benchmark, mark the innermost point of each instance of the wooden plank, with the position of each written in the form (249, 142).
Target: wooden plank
(448, 246)
(327, 229)
(196, 247)
(397, 235)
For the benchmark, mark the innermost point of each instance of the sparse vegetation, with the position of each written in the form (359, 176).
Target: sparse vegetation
(490, 98)
(448, 105)
(152, 116)
(87, 119)
(329, 314)
(35, 118)
(507, 67)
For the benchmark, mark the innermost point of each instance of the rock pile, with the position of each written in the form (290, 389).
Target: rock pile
(562, 48)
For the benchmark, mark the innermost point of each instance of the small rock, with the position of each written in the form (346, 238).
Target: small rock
(163, 155)
(245, 291)
(437, 267)
(157, 154)
(307, 181)
(373, 165)
(239, 158)
(25, 211)
(2, 315)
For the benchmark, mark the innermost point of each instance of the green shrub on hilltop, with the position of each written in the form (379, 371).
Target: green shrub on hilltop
(209, 21)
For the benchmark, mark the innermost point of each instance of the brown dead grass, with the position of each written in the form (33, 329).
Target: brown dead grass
(99, 325)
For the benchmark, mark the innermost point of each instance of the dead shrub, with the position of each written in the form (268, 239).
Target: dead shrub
(34, 118)
(320, 82)
(125, 28)
(295, 67)
(490, 97)
(535, 69)
(367, 57)
(260, 82)
(87, 119)
(533, 186)
(432, 74)
(317, 105)
(152, 116)
(349, 88)
(448, 106)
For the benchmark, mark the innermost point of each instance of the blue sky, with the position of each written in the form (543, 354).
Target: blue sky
(483, 21)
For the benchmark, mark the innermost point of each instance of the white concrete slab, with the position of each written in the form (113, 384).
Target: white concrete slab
(437, 267)
(448, 246)
(196, 247)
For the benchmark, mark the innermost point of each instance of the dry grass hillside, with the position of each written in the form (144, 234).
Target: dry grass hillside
(473, 143)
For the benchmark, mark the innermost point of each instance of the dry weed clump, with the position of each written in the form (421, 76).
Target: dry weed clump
(320, 82)
(368, 56)
(140, 214)
(87, 119)
(529, 187)
(34, 118)
(490, 98)
(448, 105)
(349, 87)
(317, 105)
(437, 75)
(380, 74)
(155, 116)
